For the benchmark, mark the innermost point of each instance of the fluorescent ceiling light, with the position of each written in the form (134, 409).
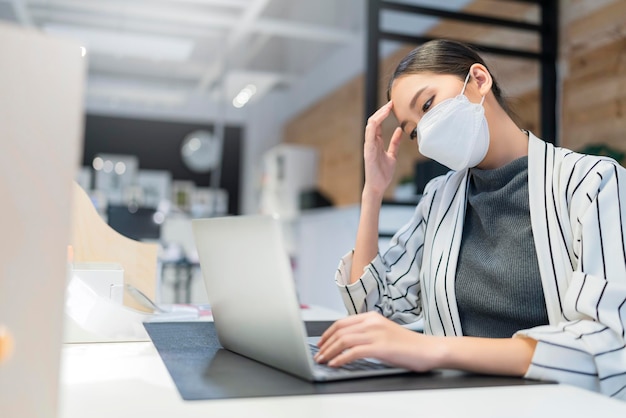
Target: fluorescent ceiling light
(244, 96)
(107, 42)
(246, 86)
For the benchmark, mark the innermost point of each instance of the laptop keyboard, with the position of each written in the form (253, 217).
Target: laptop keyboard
(357, 365)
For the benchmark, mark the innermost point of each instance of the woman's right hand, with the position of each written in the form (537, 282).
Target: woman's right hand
(380, 163)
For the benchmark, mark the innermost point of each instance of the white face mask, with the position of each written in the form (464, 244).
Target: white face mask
(455, 132)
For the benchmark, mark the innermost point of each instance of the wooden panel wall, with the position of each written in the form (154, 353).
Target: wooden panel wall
(335, 126)
(593, 72)
(594, 87)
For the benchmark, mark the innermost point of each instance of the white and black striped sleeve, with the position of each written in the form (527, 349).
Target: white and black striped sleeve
(589, 350)
(390, 283)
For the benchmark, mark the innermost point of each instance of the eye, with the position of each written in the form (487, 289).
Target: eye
(427, 104)
(413, 134)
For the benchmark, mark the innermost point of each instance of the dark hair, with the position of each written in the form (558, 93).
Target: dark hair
(441, 56)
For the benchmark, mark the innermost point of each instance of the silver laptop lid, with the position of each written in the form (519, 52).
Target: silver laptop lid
(250, 287)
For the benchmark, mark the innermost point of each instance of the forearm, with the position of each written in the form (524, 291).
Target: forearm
(366, 246)
(500, 356)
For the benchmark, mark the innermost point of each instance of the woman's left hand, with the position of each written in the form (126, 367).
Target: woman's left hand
(374, 336)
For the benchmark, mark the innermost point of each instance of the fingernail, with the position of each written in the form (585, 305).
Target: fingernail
(319, 358)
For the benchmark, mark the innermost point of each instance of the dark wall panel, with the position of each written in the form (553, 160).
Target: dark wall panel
(157, 145)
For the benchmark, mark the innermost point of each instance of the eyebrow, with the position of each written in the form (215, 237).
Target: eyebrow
(412, 104)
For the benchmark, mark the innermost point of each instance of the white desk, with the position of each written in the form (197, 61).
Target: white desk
(129, 380)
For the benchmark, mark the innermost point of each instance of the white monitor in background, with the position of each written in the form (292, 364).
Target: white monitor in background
(288, 170)
(41, 126)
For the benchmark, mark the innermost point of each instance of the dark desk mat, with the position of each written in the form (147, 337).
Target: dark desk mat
(202, 369)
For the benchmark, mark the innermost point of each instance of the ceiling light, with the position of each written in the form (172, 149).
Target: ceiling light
(244, 87)
(244, 96)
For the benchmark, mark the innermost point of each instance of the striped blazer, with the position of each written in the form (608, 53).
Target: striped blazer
(578, 216)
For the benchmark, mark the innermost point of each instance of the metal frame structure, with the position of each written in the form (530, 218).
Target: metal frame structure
(547, 29)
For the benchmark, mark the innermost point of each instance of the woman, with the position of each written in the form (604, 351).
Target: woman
(515, 260)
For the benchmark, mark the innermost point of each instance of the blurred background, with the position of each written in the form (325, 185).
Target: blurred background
(198, 108)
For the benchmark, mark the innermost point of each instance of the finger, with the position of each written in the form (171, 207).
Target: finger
(336, 330)
(380, 115)
(363, 334)
(336, 342)
(394, 144)
(339, 324)
(341, 344)
(383, 110)
(350, 355)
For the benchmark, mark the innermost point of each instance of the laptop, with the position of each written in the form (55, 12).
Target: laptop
(253, 298)
(41, 123)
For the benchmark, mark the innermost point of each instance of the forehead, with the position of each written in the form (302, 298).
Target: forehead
(405, 86)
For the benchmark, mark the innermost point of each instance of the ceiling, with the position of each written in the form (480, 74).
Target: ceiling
(162, 52)
(181, 54)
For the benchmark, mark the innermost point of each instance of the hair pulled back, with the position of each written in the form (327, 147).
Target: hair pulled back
(441, 56)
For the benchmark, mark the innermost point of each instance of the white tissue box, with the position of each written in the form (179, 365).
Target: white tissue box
(94, 311)
(105, 279)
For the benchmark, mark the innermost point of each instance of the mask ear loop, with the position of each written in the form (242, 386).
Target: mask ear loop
(482, 100)
(465, 83)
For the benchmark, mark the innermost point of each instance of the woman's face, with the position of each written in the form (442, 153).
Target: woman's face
(415, 94)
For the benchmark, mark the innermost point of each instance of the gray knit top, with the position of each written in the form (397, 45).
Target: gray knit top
(498, 285)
